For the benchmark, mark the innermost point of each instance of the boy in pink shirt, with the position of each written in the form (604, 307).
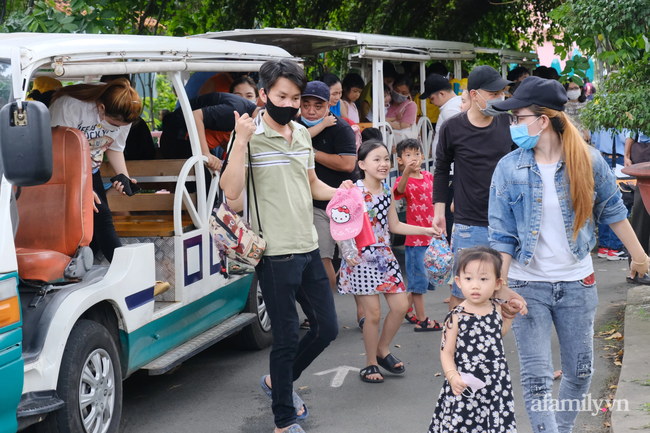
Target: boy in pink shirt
(417, 186)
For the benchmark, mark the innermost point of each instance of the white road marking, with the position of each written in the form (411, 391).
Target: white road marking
(339, 377)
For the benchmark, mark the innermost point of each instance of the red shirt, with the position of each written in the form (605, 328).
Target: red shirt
(419, 206)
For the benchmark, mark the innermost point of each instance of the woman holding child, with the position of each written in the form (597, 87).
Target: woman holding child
(545, 200)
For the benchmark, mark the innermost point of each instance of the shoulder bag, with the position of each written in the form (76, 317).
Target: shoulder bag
(230, 232)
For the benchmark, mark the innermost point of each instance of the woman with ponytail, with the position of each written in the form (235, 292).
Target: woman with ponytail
(104, 113)
(545, 200)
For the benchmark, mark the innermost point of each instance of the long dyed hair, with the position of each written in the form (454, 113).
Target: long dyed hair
(579, 170)
(120, 100)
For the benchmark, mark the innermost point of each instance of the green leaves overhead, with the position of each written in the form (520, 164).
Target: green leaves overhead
(623, 102)
(613, 31)
(515, 25)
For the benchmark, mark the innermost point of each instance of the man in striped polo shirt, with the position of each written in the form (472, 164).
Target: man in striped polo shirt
(291, 270)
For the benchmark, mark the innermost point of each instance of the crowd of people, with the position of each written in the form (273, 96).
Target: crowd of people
(520, 211)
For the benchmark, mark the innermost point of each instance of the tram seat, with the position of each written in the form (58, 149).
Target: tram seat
(147, 214)
(56, 219)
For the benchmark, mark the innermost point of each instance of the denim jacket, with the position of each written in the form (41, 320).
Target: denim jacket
(515, 209)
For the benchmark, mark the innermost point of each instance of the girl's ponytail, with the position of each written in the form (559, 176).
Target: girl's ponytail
(120, 100)
(579, 170)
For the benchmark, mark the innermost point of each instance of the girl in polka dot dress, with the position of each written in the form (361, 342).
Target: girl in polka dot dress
(476, 396)
(376, 270)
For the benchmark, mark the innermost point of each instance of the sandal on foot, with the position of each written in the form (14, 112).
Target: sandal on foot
(305, 324)
(428, 325)
(411, 319)
(361, 322)
(371, 369)
(297, 401)
(389, 363)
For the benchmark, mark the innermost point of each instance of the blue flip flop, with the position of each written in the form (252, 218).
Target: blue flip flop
(297, 401)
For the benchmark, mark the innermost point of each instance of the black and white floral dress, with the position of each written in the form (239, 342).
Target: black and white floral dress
(378, 270)
(479, 351)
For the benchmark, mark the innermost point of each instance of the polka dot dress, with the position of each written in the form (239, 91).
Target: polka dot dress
(378, 270)
(479, 351)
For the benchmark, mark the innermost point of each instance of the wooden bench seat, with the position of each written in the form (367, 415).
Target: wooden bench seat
(147, 225)
(147, 214)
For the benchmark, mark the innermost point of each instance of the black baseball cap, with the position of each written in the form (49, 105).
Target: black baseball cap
(317, 89)
(434, 83)
(536, 91)
(486, 78)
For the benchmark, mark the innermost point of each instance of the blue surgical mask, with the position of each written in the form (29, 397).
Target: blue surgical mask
(522, 138)
(310, 123)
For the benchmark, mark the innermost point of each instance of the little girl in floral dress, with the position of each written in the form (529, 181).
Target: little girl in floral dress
(376, 270)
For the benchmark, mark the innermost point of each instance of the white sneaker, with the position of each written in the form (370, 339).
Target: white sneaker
(617, 255)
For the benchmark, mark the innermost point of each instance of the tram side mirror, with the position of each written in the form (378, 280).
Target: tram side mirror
(26, 143)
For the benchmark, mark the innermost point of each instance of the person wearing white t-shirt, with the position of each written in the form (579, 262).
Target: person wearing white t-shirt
(440, 92)
(104, 113)
(545, 200)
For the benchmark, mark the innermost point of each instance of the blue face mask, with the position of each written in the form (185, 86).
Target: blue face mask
(522, 138)
(310, 123)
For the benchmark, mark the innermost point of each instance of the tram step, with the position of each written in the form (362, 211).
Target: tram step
(38, 402)
(199, 343)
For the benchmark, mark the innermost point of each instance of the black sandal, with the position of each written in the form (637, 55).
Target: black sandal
(305, 324)
(371, 369)
(411, 319)
(389, 363)
(426, 325)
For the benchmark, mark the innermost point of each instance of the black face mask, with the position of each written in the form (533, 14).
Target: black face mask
(281, 115)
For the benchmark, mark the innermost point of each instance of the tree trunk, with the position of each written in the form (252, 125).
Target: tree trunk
(152, 82)
(599, 65)
(145, 14)
(160, 13)
(3, 11)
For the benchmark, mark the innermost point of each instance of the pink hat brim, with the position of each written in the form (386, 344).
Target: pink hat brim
(349, 230)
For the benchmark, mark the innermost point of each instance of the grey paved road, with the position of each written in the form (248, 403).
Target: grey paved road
(218, 390)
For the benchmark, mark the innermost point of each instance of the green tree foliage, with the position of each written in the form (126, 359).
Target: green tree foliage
(615, 32)
(166, 100)
(494, 23)
(623, 101)
(612, 30)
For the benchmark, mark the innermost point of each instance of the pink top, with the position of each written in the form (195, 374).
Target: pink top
(409, 109)
(353, 112)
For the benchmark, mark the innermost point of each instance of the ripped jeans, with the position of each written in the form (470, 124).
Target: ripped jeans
(465, 237)
(571, 307)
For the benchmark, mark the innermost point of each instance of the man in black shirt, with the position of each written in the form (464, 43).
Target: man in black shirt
(214, 114)
(335, 152)
(474, 141)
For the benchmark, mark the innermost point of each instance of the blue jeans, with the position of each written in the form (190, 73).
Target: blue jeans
(285, 280)
(571, 307)
(607, 238)
(465, 237)
(416, 273)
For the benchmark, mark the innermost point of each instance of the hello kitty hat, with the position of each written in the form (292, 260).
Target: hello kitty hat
(346, 214)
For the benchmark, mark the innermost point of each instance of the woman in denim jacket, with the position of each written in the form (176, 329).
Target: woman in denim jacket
(545, 199)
